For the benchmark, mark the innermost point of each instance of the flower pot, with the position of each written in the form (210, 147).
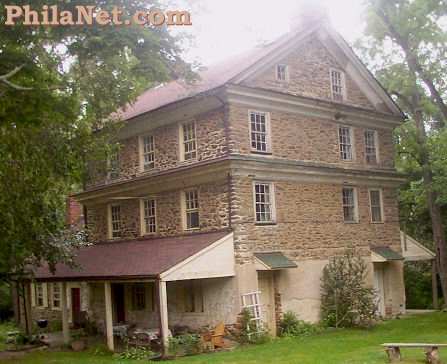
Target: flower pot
(78, 345)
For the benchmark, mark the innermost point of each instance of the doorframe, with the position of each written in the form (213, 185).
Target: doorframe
(270, 276)
(114, 305)
(71, 285)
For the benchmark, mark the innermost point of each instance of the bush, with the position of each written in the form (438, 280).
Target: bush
(418, 281)
(187, 344)
(250, 333)
(136, 353)
(290, 325)
(345, 299)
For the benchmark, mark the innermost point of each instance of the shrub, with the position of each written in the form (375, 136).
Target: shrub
(136, 353)
(290, 325)
(250, 333)
(187, 344)
(345, 299)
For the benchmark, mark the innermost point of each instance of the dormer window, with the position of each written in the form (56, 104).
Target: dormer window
(281, 72)
(337, 85)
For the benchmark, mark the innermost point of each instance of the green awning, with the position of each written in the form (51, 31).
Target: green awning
(275, 260)
(387, 253)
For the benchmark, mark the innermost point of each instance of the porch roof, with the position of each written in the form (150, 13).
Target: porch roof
(274, 260)
(385, 254)
(145, 258)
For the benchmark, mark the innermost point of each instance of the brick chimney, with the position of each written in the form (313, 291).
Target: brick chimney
(74, 213)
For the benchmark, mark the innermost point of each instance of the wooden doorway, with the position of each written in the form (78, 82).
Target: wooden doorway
(76, 306)
(266, 285)
(119, 309)
(379, 287)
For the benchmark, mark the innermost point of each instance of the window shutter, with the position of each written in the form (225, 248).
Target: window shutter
(45, 294)
(33, 295)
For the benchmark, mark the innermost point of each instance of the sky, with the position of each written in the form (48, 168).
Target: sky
(223, 28)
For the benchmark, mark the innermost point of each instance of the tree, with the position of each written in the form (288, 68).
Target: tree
(346, 301)
(406, 44)
(59, 86)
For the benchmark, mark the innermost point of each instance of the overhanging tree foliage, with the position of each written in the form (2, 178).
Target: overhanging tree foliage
(406, 45)
(58, 85)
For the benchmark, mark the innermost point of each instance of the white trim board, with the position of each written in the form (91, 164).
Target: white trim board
(216, 260)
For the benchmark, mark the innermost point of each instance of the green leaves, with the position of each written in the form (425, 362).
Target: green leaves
(79, 76)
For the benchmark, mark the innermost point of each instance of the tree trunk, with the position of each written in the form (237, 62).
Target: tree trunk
(433, 207)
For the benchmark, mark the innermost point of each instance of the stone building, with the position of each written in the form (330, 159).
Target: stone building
(235, 190)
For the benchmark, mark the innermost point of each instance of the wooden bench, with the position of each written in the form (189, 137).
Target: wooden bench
(431, 351)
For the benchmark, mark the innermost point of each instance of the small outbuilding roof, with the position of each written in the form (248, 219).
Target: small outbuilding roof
(275, 260)
(387, 253)
(146, 258)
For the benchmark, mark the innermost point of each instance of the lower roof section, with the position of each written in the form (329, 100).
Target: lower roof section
(169, 258)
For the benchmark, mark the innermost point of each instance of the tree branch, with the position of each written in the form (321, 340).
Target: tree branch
(411, 59)
(4, 79)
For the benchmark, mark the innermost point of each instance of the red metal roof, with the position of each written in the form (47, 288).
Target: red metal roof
(137, 258)
(209, 79)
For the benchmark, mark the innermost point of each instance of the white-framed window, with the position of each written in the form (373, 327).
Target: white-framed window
(376, 205)
(259, 131)
(56, 291)
(147, 150)
(282, 72)
(264, 202)
(188, 141)
(252, 302)
(191, 209)
(149, 216)
(113, 166)
(39, 295)
(371, 150)
(350, 209)
(114, 221)
(345, 143)
(338, 89)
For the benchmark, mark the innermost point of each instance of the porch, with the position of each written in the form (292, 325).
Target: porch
(151, 285)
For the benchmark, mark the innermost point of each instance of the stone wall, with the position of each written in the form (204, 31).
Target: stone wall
(210, 144)
(308, 66)
(302, 138)
(219, 304)
(213, 213)
(310, 221)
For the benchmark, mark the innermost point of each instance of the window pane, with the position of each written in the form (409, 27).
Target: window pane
(114, 165)
(189, 141)
(258, 131)
(116, 221)
(149, 216)
(148, 152)
(192, 209)
(345, 143)
(337, 85)
(376, 205)
(263, 203)
(370, 146)
(349, 208)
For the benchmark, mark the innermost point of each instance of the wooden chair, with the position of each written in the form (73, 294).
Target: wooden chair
(217, 335)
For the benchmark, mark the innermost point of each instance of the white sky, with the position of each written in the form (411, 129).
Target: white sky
(222, 28)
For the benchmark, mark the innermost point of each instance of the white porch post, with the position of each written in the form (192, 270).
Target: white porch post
(109, 317)
(163, 309)
(64, 308)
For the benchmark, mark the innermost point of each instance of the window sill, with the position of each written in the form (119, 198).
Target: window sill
(260, 152)
(192, 229)
(351, 222)
(378, 222)
(265, 223)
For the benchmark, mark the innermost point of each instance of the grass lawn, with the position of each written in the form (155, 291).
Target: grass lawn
(331, 347)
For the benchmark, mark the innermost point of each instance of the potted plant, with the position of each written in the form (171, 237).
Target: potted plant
(78, 343)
